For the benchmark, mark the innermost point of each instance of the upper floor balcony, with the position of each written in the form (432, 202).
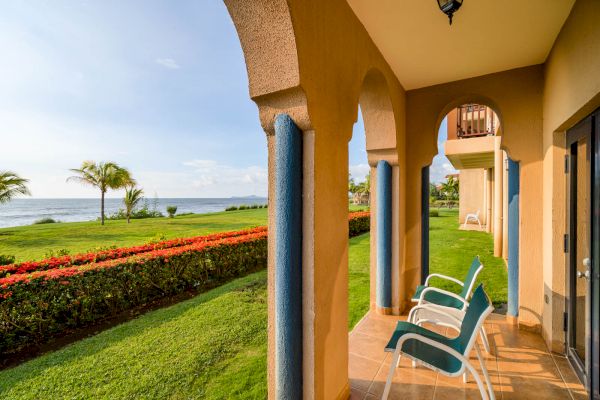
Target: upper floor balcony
(477, 123)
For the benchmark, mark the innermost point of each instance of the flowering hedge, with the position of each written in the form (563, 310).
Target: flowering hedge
(41, 299)
(44, 303)
(359, 222)
(86, 258)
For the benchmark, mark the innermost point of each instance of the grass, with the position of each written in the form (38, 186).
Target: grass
(358, 279)
(213, 346)
(452, 250)
(33, 241)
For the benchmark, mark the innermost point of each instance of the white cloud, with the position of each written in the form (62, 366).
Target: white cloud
(211, 176)
(359, 172)
(168, 63)
(440, 167)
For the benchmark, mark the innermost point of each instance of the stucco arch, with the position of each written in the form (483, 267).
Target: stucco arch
(268, 41)
(515, 96)
(377, 112)
(472, 98)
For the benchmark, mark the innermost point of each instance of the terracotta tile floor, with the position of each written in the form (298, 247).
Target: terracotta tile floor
(520, 367)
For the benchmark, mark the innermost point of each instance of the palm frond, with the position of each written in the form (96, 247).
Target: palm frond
(12, 185)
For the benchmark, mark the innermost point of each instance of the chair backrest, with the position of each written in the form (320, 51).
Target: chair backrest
(471, 278)
(477, 311)
(478, 211)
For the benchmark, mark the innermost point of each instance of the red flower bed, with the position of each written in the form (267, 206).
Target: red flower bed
(41, 304)
(73, 291)
(86, 258)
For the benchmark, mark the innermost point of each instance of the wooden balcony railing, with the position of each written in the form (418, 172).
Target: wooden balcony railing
(475, 120)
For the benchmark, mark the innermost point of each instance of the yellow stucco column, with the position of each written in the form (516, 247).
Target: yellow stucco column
(498, 195)
(487, 180)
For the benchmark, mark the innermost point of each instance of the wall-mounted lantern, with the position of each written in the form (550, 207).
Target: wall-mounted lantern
(449, 7)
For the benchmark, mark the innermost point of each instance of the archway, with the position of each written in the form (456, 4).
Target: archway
(378, 184)
(465, 201)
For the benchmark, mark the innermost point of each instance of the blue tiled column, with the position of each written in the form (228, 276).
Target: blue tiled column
(384, 237)
(288, 259)
(424, 224)
(513, 238)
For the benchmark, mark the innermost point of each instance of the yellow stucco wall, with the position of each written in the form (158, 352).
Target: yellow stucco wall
(571, 92)
(471, 194)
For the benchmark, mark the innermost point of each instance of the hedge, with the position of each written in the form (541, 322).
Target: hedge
(39, 300)
(359, 222)
(36, 306)
(111, 254)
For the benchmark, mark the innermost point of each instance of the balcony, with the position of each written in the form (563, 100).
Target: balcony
(476, 152)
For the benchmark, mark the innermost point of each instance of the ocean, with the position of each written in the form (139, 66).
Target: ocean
(20, 212)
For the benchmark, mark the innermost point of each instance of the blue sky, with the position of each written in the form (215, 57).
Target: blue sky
(157, 86)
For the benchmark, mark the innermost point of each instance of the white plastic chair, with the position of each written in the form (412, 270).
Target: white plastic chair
(453, 305)
(472, 217)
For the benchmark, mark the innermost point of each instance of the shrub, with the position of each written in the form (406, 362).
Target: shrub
(112, 252)
(358, 223)
(142, 213)
(37, 306)
(46, 220)
(6, 259)
(231, 208)
(171, 210)
(56, 253)
(434, 212)
(159, 237)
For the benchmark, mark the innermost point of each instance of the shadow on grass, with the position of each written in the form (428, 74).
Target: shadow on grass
(152, 320)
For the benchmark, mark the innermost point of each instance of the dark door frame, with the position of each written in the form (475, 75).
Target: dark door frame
(590, 128)
(595, 272)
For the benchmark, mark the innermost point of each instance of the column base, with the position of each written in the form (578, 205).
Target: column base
(384, 310)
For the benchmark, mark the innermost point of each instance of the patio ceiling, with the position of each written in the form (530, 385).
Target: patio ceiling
(486, 36)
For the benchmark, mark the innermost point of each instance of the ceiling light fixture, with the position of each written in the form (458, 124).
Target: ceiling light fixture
(449, 7)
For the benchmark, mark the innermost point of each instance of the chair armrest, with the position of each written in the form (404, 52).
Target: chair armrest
(442, 291)
(432, 308)
(448, 278)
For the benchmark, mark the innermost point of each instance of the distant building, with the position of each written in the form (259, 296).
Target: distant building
(473, 148)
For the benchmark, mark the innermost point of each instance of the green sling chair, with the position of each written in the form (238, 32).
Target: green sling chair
(448, 356)
(430, 299)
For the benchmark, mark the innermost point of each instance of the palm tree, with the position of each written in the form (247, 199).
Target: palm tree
(104, 176)
(132, 198)
(450, 188)
(12, 185)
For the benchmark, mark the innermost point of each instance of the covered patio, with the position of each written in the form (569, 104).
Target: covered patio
(520, 366)
(312, 66)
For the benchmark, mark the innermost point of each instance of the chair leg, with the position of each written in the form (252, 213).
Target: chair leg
(465, 377)
(485, 373)
(473, 372)
(484, 339)
(388, 383)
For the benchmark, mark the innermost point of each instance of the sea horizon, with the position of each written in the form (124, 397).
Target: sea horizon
(25, 211)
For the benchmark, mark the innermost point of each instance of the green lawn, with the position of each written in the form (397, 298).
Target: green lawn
(210, 347)
(452, 250)
(32, 242)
